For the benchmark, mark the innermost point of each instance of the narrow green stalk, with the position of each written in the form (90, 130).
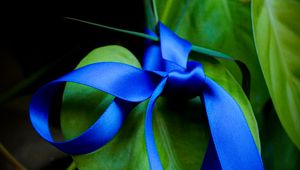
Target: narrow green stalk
(10, 158)
(116, 29)
(72, 166)
(24, 84)
(195, 48)
(155, 10)
(210, 52)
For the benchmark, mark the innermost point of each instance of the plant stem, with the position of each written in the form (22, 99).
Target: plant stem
(195, 48)
(10, 158)
(155, 10)
(72, 166)
(16, 89)
(116, 29)
(210, 52)
(25, 83)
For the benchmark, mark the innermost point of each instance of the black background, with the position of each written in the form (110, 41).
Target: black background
(33, 36)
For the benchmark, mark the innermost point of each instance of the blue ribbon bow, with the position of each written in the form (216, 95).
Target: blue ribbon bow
(167, 71)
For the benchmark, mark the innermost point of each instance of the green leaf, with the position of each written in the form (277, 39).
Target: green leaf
(224, 26)
(180, 127)
(149, 14)
(278, 151)
(83, 105)
(220, 74)
(201, 50)
(277, 38)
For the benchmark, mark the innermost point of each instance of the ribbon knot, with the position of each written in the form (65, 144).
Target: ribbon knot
(186, 84)
(170, 59)
(166, 71)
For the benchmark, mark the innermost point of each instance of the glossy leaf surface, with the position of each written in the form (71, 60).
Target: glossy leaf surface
(224, 26)
(278, 151)
(277, 38)
(180, 126)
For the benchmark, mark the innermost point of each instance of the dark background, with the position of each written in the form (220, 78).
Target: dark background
(38, 45)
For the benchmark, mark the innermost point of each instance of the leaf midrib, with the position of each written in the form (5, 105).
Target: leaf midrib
(167, 9)
(276, 40)
(227, 11)
(163, 129)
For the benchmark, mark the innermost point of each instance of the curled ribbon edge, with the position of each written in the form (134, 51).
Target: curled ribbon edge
(118, 106)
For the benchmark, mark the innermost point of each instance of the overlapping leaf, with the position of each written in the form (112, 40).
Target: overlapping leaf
(221, 25)
(277, 38)
(180, 126)
(278, 151)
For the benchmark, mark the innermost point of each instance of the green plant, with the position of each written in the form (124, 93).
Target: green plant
(225, 26)
(262, 75)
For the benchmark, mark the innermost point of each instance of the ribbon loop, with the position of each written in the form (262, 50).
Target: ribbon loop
(173, 48)
(232, 145)
(137, 84)
(127, 83)
(232, 140)
(172, 53)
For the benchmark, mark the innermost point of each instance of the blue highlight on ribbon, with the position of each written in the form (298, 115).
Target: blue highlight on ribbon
(167, 71)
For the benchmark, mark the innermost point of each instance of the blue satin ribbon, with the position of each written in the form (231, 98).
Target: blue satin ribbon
(168, 72)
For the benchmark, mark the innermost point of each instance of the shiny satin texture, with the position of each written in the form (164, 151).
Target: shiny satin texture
(168, 72)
